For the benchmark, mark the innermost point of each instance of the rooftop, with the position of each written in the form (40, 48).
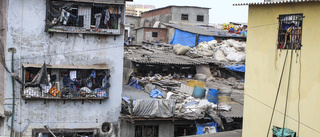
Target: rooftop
(170, 6)
(206, 31)
(276, 2)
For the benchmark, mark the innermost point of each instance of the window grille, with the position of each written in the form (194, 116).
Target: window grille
(147, 131)
(184, 16)
(154, 34)
(290, 31)
(76, 17)
(200, 18)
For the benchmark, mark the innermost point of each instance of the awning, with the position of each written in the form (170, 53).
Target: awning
(100, 66)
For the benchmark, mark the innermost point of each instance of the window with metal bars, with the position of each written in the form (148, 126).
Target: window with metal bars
(147, 131)
(82, 17)
(184, 16)
(290, 31)
(200, 17)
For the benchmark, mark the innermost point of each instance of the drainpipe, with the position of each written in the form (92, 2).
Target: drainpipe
(12, 50)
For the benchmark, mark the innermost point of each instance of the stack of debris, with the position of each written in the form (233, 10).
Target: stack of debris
(226, 51)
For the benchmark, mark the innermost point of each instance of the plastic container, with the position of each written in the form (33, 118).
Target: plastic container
(192, 83)
(198, 92)
(212, 95)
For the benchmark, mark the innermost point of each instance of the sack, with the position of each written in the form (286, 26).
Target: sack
(53, 91)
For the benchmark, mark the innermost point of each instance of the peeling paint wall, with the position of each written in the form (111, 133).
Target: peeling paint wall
(33, 45)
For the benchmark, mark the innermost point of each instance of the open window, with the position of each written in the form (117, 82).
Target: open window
(290, 31)
(184, 16)
(66, 82)
(84, 17)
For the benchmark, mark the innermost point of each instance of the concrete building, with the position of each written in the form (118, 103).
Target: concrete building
(282, 82)
(137, 9)
(150, 27)
(69, 36)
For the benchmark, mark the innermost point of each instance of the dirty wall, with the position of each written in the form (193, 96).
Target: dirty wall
(26, 34)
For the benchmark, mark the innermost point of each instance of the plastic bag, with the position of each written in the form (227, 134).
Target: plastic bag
(218, 55)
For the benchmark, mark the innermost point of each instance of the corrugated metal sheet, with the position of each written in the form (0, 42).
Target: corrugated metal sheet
(102, 66)
(202, 31)
(276, 2)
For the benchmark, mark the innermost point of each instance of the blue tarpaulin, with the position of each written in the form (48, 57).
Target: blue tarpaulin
(237, 67)
(205, 38)
(155, 93)
(184, 38)
(200, 127)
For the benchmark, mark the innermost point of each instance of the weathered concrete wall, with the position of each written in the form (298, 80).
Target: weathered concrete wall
(140, 36)
(166, 128)
(192, 15)
(3, 30)
(33, 45)
(162, 34)
(133, 22)
(163, 15)
(261, 83)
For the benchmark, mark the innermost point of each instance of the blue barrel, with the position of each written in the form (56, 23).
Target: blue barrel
(198, 92)
(212, 95)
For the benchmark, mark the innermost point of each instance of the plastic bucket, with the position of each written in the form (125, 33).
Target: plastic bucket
(198, 92)
(212, 95)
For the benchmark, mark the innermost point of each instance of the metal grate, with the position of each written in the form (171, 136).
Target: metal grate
(184, 16)
(290, 31)
(147, 131)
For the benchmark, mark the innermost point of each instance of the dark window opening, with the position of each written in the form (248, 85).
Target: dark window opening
(146, 131)
(185, 130)
(184, 16)
(154, 34)
(200, 18)
(290, 31)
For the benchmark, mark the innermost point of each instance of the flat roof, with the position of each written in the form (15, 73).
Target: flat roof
(276, 2)
(175, 6)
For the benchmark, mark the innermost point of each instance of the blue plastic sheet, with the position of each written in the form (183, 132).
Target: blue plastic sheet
(134, 84)
(237, 67)
(286, 132)
(205, 38)
(155, 93)
(184, 38)
(200, 127)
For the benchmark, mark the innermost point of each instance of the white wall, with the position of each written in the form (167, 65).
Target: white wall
(33, 45)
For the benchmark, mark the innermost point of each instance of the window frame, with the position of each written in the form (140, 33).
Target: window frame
(155, 34)
(200, 17)
(155, 130)
(116, 30)
(185, 17)
(285, 34)
(60, 70)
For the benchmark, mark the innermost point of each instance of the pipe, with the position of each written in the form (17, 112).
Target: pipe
(12, 50)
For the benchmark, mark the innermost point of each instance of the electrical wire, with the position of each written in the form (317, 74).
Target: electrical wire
(299, 93)
(318, 131)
